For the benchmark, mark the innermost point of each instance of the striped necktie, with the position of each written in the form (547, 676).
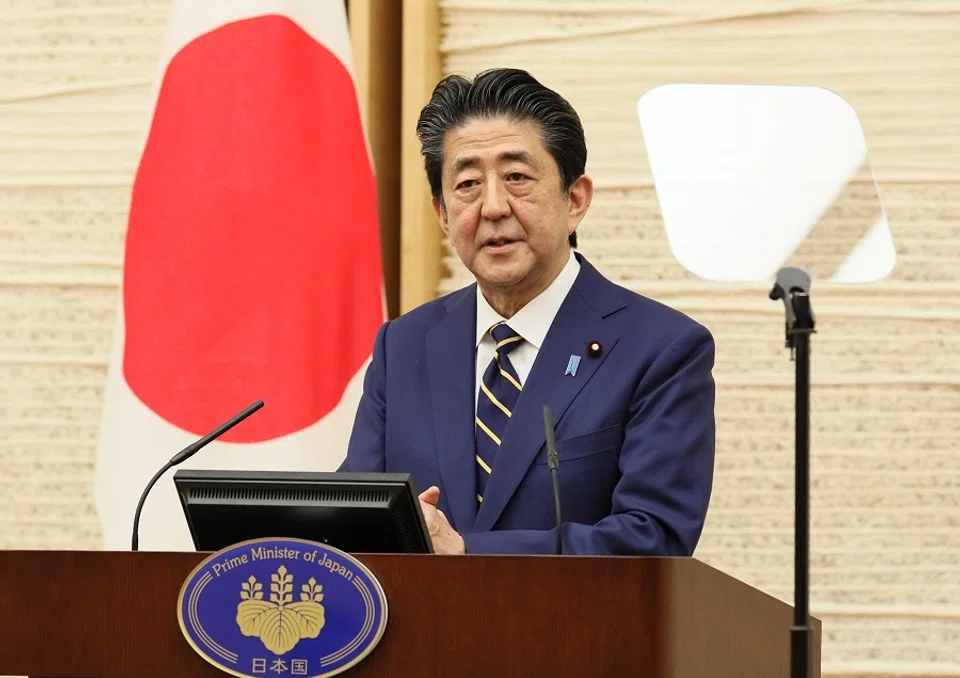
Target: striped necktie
(498, 395)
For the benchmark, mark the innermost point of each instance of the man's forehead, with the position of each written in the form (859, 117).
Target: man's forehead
(496, 140)
(468, 159)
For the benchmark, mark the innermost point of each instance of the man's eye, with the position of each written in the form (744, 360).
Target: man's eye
(469, 183)
(516, 176)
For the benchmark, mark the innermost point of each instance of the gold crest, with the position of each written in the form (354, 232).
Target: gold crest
(280, 623)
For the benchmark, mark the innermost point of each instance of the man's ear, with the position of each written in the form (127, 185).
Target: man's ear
(581, 194)
(441, 213)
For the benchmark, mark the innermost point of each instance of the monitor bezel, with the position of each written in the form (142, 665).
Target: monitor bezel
(251, 478)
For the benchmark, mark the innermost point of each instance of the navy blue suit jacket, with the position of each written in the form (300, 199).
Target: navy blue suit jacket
(634, 427)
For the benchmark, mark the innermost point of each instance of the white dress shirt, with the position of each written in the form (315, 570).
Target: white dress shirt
(531, 322)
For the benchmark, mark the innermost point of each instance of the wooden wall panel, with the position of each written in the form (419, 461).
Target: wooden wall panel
(420, 245)
(375, 32)
(75, 82)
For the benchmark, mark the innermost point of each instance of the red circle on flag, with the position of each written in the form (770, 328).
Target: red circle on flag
(252, 264)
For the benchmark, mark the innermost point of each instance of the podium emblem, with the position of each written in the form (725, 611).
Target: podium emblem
(282, 607)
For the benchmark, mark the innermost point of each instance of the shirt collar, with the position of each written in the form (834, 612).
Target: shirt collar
(533, 320)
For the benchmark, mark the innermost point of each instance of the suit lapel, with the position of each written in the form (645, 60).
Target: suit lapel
(451, 366)
(576, 325)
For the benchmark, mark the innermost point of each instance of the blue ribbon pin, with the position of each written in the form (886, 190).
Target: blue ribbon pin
(572, 366)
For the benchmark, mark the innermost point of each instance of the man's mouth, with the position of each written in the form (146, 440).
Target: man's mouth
(498, 243)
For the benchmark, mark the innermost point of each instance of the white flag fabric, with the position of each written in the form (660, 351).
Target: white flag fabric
(252, 264)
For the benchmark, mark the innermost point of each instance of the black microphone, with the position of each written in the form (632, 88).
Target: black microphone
(181, 457)
(554, 462)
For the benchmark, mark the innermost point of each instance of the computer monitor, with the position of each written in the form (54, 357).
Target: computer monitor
(353, 512)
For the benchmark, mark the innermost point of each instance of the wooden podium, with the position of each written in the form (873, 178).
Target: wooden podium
(83, 614)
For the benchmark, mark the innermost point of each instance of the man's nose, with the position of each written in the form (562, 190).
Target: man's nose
(495, 201)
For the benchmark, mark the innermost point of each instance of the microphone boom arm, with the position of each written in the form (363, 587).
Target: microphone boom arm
(181, 457)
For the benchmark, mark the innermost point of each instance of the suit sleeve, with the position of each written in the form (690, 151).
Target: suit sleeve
(666, 462)
(366, 451)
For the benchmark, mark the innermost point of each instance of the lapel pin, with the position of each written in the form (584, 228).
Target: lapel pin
(594, 348)
(572, 365)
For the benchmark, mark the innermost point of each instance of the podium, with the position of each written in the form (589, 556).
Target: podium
(86, 614)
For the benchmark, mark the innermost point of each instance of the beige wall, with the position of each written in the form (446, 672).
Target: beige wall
(74, 84)
(75, 77)
(886, 363)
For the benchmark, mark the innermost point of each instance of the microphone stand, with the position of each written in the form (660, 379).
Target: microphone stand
(554, 463)
(793, 287)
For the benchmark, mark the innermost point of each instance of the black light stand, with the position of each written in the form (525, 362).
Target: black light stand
(793, 287)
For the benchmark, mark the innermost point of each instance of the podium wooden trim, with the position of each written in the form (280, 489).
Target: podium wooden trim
(101, 614)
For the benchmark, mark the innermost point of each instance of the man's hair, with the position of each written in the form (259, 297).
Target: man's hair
(502, 92)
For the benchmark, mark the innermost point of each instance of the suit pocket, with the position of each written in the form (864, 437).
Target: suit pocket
(586, 445)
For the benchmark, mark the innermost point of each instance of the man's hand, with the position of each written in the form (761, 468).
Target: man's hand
(445, 540)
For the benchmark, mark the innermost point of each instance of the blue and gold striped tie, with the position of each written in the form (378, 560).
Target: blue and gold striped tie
(498, 395)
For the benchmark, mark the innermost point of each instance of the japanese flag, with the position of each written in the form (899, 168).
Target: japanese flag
(252, 262)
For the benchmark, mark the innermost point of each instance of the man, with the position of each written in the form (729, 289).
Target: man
(455, 391)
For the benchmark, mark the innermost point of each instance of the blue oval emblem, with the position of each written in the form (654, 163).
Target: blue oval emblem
(282, 607)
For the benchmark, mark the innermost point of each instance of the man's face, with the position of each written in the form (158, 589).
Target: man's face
(505, 212)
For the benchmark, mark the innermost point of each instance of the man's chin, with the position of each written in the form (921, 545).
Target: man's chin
(505, 284)
(503, 274)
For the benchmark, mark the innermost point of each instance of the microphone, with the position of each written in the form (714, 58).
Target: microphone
(554, 463)
(181, 457)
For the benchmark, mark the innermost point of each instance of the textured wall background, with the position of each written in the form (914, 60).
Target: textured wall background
(75, 77)
(886, 369)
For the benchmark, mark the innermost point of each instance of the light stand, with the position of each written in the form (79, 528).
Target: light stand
(793, 287)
